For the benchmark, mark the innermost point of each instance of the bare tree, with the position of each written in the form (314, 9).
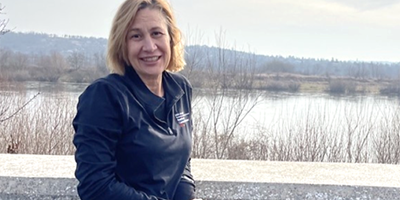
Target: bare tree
(195, 58)
(19, 61)
(76, 60)
(376, 71)
(278, 66)
(3, 22)
(4, 108)
(359, 71)
(100, 63)
(52, 67)
(225, 104)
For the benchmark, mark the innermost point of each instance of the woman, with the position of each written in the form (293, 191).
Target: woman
(133, 127)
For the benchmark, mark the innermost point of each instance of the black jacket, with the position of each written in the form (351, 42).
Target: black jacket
(124, 148)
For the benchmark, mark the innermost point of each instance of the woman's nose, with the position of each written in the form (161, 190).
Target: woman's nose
(149, 45)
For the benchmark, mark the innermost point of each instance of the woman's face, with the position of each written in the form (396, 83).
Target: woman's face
(148, 42)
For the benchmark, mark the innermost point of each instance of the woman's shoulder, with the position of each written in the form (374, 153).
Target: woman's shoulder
(111, 80)
(179, 78)
(110, 83)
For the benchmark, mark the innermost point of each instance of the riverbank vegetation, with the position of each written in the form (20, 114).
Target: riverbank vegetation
(44, 127)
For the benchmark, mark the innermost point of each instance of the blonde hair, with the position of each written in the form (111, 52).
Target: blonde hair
(117, 53)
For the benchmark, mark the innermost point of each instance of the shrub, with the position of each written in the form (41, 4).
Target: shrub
(337, 87)
(391, 89)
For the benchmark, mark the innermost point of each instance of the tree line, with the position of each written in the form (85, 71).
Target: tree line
(53, 67)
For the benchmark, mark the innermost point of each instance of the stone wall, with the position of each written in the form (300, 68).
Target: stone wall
(51, 177)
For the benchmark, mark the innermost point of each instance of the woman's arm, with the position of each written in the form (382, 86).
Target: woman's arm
(98, 127)
(186, 187)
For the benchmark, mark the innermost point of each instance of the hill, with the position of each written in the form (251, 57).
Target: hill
(38, 43)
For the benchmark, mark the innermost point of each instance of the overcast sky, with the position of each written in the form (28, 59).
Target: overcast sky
(364, 30)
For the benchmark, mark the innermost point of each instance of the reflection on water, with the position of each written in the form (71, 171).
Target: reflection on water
(286, 110)
(44, 87)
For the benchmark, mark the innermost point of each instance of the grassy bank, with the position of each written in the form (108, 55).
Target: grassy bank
(44, 127)
(322, 84)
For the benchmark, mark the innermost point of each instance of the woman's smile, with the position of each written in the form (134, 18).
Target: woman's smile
(151, 59)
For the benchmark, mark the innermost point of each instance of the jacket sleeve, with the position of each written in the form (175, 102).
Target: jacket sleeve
(186, 187)
(98, 127)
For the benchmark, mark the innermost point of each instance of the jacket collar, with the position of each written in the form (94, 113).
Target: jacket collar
(172, 90)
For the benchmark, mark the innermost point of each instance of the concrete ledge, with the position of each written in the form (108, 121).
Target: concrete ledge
(64, 188)
(278, 191)
(37, 188)
(51, 177)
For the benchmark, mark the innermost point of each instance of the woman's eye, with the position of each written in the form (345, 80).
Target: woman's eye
(135, 36)
(157, 33)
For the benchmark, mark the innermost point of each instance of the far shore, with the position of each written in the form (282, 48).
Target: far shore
(278, 82)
